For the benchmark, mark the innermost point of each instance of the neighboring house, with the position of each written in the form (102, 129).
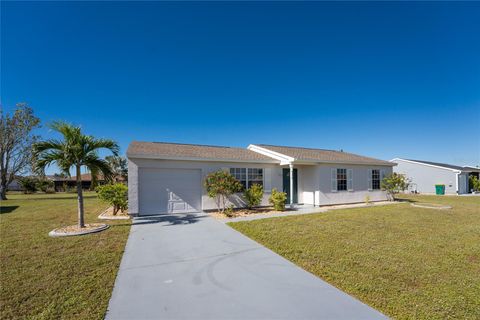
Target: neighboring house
(65, 183)
(424, 175)
(15, 184)
(168, 177)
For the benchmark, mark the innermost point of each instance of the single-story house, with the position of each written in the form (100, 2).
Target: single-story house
(168, 177)
(424, 175)
(64, 183)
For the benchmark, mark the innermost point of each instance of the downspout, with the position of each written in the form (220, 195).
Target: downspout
(456, 181)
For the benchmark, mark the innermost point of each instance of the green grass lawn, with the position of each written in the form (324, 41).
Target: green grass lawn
(407, 262)
(53, 278)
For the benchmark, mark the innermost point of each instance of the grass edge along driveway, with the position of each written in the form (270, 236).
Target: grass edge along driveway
(407, 262)
(51, 278)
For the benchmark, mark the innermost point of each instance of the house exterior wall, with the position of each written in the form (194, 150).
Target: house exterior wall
(315, 185)
(272, 178)
(424, 178)
(314, 181)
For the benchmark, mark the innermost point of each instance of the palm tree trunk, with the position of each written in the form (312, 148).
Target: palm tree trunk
(81, 222)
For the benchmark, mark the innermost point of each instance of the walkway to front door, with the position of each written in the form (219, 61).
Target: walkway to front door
(194, 267)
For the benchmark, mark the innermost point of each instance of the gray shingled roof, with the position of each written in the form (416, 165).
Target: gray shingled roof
(470, 168)
(323, 155)
(446, 165)
(192, 151)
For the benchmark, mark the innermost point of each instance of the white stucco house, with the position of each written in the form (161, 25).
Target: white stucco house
(168, 177)
(424, 175)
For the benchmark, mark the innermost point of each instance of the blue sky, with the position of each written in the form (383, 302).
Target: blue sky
(380, 79)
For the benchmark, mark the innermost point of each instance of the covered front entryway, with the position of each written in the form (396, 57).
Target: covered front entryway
(169, 191)
(286, 184)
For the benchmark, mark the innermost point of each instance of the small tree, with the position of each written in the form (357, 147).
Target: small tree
(16, 139)
(253, 195)
(220, 185)
(278, 199)
(115, 195)
(393, 184)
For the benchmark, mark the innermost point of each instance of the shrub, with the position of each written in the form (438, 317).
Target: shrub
(278, 199)
(253, 195)
(68, 188)
(50, 190)
(474, 183)
(114, 194)
(220, 185)
(229, 211)
(44, 184)
(29, 184)
(393, 184)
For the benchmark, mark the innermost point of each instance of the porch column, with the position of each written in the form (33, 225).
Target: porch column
(291, 185)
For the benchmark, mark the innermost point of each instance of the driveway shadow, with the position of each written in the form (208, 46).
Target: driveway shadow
(169, 220)
(7, 209)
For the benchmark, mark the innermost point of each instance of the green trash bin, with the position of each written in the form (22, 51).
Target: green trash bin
(440, 189)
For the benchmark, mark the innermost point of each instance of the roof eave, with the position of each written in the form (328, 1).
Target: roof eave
(313, 162)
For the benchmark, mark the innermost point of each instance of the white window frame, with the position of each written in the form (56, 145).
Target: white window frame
(247, 180)
(370, 186)
(349, 179)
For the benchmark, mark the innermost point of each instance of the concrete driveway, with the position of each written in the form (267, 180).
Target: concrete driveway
(194, 267)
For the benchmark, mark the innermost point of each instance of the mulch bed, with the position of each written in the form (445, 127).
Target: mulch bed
(243, 212)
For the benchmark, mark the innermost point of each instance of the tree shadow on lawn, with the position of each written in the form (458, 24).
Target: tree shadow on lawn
(7, 209)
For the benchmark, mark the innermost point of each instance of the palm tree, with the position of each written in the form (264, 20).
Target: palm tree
(76, 150)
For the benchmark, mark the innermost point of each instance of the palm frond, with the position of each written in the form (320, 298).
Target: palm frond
(98, 165)
(50, 144)
(93, 144)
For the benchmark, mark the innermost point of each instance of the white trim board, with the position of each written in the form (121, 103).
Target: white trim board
(284, 159)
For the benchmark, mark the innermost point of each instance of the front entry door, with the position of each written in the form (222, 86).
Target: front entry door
(286, 184)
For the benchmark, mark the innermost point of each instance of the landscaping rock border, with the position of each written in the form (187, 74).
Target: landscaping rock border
(105, 216)
(432, 206)
(58, 233)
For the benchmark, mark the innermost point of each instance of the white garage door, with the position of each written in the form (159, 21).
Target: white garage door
(169, 191)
